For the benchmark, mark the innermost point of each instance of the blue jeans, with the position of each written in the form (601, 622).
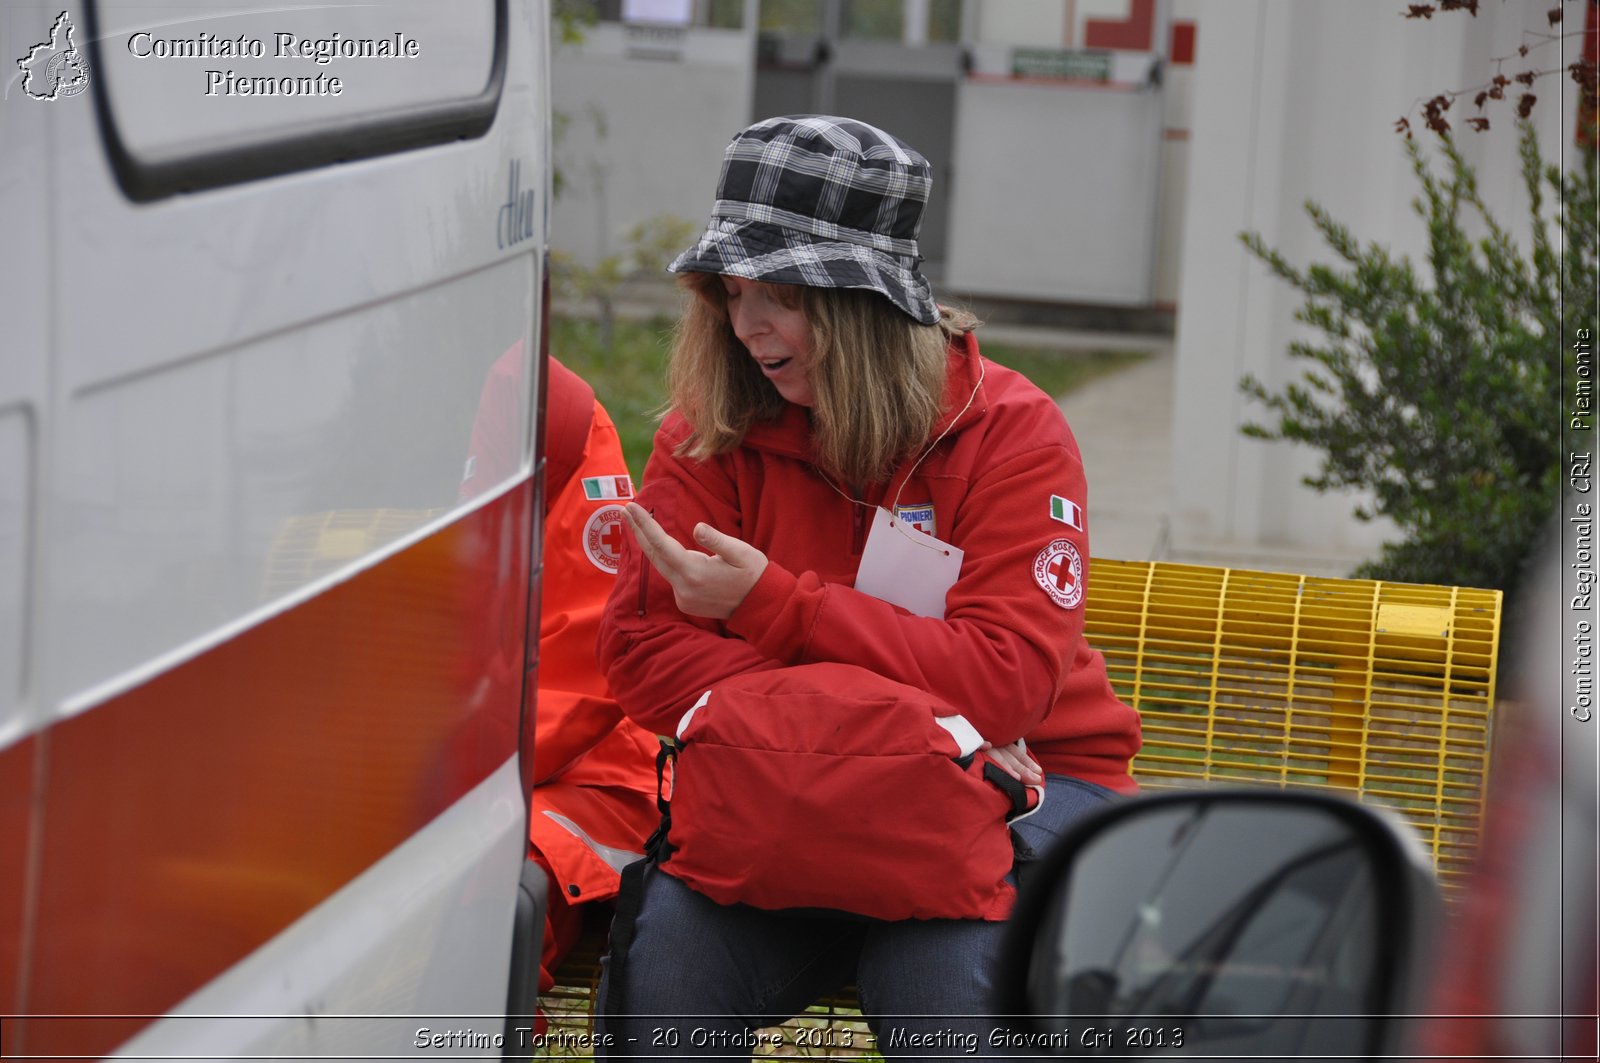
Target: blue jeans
(700, 975)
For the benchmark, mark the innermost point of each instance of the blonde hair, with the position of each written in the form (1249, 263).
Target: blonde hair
(877, 377)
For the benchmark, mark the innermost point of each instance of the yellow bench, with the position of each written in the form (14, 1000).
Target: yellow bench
(1381, 690)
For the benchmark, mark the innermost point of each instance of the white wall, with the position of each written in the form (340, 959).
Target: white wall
(1297, 101)
(643, 136)
(1055, 192)
(1039, 23)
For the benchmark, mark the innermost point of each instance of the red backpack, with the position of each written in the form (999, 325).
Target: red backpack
(827, 786)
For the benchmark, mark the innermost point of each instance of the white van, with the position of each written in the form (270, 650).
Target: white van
(264, 670)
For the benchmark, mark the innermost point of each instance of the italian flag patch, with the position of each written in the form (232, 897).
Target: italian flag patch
(1066, 511)
(607, 488)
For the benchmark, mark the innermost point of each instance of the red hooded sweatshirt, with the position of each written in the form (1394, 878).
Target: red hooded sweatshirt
(1001, 479)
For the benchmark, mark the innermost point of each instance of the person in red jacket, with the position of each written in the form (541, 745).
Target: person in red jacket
(821, 403)
(593, 769)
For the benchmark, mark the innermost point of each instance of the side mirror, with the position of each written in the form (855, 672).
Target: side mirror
(1267, 924)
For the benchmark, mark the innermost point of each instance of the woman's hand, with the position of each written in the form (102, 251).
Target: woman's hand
(1013, 759)
(709, 585)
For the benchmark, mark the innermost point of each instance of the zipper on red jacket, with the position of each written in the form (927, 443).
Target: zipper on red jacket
(858, 536)
(644, 577)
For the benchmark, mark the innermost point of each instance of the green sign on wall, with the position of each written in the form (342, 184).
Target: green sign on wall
(1075, 64)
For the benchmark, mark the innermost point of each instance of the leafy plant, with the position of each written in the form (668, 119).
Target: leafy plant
(651, 244)
(1439, 390)
(572, 19)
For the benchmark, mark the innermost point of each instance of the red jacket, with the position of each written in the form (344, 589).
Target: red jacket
(1005, 483)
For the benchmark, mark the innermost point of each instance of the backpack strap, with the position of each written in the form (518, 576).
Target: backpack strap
(630, 894)
(657, 847)
(1011, 786)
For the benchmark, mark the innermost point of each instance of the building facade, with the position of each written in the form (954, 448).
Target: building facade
(1089, 153)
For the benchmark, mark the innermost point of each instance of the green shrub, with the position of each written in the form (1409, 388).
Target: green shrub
(651, 244)
(1438, 390)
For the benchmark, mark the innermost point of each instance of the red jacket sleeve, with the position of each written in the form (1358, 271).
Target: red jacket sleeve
(574, 710)
(659, 660)
(1005, 644)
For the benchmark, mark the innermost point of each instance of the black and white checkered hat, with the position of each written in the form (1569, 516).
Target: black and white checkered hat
(823, 201)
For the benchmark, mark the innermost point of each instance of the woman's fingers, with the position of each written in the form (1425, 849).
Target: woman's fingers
(1013, 759)
(735, 552)
(663, 551)
(707, 585)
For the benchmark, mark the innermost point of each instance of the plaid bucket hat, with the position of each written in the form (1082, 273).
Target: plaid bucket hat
(822, 201)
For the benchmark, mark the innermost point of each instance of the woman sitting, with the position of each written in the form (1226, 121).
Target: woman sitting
(845, 487)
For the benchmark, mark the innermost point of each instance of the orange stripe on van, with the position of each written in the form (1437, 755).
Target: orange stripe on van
(191, 819)
(16, 792)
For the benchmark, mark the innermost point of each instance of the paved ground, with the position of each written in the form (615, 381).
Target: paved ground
(1123, 423)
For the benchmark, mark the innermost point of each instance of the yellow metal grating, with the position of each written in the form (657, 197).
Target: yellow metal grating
(1383, 690)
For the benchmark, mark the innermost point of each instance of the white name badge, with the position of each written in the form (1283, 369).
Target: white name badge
(906, 567)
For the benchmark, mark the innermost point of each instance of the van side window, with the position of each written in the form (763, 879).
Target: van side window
(195, 94)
